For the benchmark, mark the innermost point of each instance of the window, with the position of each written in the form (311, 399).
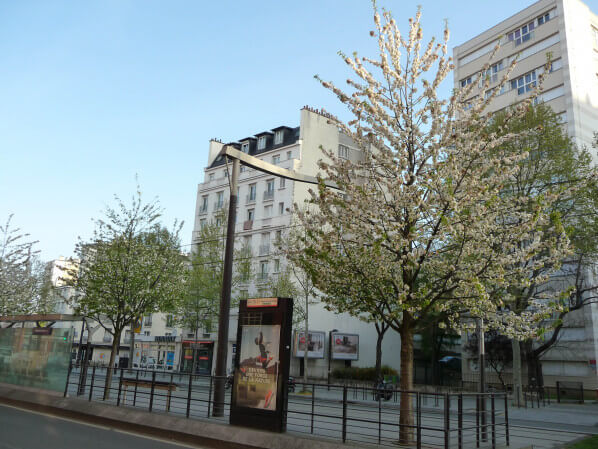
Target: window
(203, 223)
(270, 185)
(278, 236)
(269, 193)
(250, 214)
(289, 155)
(169, 320)
(276, 265)
(247, 242)
(211, 176)
(252, 190)
(276, 159)
(595, 33)
(524, 83)
(261, 143)
(243, 168)
(204, 204)
(224, 174)
(466, 81)
(147, 320)
(218, 222)
(492, 73)
(245, 147)
(523, 34)
(219, 200)
(343, 152)
(543, 19)
(167, 334)
(556, 65)
(190, 335)
(280, 208)
(267, 211)
(263, 270)
(146, 333)
(282, 183)
(278, 137)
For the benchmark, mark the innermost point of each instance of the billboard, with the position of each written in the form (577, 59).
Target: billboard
(315, 344)
(344, 346)
(256, 380)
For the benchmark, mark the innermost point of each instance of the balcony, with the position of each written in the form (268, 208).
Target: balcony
(107, 339)
(268, 195)
(262, 277)
(264, 249)
(247, 225)
(218, 206)
(250, 199)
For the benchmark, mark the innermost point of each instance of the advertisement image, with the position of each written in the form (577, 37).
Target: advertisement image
(257, 375)
(315, 344)
(345, 346)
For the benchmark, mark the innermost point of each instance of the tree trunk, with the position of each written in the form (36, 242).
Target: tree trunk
(306, 345)
(406, 420)
(194, 352)
(379, 354)
(132, 347)
(517, 383)
(110, 370)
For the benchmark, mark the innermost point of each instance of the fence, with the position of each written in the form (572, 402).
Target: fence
(340, 412)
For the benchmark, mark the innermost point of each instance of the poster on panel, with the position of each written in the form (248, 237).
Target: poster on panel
(345, 346)
(257, 376)
(315, 344)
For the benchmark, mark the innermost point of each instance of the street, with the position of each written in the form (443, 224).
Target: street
(22, 429)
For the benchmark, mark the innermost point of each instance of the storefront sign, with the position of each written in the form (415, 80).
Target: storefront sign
(262, 302)
(344, 346)
(315, 344)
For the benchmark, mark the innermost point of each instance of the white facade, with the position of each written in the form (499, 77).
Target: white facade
(567, 31)
(263, 216)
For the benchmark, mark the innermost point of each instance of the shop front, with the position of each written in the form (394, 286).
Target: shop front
(203, 356)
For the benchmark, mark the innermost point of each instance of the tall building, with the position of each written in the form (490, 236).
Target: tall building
(263, 217)
(567, 31)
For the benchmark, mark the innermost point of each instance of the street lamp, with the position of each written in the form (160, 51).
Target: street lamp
(228, 151)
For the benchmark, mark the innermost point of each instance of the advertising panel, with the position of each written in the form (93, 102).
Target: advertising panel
(315, 344)
(257, 376)
(345, 346)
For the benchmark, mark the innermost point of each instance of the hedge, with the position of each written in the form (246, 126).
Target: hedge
(367, 373)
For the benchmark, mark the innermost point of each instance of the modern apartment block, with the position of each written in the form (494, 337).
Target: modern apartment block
(263, 217)
(567, 32)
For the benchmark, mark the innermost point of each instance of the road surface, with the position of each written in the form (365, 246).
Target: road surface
(23, 429)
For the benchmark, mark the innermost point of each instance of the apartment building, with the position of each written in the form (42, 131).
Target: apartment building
(263, 216)
(567, 32)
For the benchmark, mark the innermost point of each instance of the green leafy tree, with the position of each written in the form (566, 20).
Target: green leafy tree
(131, 267)
(199, 306)
(554, 168)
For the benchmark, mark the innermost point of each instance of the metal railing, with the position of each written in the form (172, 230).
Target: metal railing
(340, 412)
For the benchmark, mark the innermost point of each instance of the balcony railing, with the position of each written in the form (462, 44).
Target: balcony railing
(264, 249)
(107, 339)
(247, 225)
(249, 199)
(218, 206)
(268, 195)
(262, 277)
(203, 209)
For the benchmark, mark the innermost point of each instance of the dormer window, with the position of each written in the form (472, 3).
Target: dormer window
(278, 137)
(261, 143)
(245, 147)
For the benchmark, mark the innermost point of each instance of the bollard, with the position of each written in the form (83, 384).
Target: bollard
(313, 399)
(507, 419)
(210, 396)
(93, 376)
(120, 384)
(68, 375)
(135, 392)
(344, 413)
(460, 420)
(189, 395)
(446, 421)
(152, 391)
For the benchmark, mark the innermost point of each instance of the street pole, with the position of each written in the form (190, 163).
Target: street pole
(223, 318)
(482, 363)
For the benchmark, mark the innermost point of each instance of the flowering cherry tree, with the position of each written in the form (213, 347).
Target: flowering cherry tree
(421, 223)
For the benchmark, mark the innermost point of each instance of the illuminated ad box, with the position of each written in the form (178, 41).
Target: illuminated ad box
(261, 363)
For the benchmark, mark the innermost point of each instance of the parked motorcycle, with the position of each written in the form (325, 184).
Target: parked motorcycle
(291, 384)
(383, 390)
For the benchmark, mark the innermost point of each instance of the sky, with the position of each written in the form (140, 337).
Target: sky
(93, 94)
